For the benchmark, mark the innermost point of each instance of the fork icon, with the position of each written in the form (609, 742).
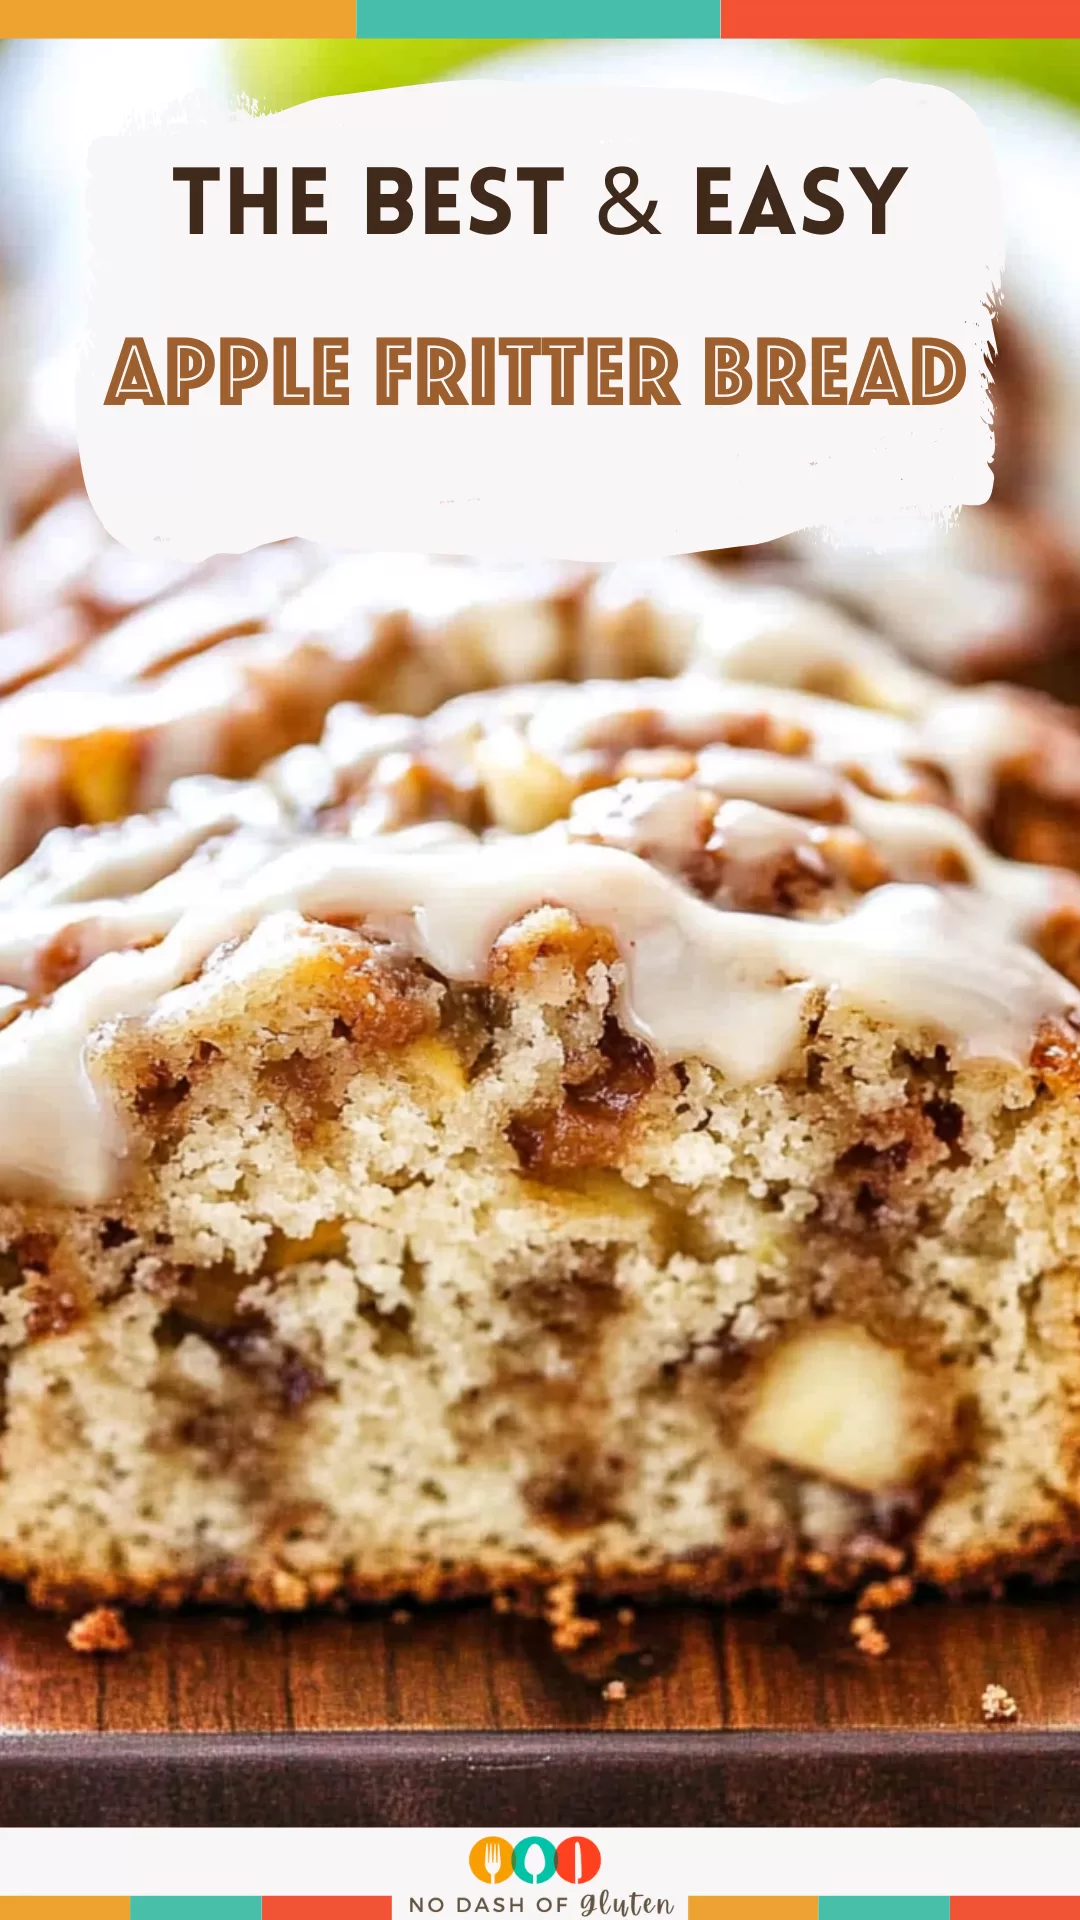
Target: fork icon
(493, 1860)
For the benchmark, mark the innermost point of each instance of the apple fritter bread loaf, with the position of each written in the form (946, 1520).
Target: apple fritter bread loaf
(623, 1131)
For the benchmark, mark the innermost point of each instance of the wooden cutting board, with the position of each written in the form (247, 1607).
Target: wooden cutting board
(464, 1717)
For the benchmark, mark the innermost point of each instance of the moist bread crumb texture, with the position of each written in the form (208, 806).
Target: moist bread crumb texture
(616, 1136)
(475, 1293)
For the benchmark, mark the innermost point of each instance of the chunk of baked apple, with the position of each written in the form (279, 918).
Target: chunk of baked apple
(833, 1401)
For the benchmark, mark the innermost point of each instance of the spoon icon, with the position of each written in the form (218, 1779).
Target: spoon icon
(534, 1861)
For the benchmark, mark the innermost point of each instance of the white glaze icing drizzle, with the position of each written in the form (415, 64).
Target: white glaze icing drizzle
(729, 988)
(215, 658)
(228, 860)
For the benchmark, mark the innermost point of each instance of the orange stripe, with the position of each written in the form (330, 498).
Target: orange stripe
(751, 1906)
(896, 19)
(62, 1906)
(196, 20)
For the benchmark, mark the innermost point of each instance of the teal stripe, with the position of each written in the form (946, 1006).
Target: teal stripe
(539, 19)
(184, 1906)
(881, 1906)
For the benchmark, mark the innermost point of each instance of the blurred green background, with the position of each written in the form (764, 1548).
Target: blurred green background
(279, 73)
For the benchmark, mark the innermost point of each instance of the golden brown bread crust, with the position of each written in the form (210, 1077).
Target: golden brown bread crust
(706, 1577)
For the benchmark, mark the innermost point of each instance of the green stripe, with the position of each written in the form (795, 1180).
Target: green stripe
(883, 1906)
(540, 19)
(185, 1906)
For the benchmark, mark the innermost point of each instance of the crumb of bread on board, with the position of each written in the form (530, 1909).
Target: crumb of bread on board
(868, 1636)
(102, 1630)
(998, 1704)
(880, 1595)
(569, 1628)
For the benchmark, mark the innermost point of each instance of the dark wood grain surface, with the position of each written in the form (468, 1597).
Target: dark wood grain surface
(461, 1716)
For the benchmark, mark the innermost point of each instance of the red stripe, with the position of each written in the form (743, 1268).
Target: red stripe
(897, 19)
(346, 1906)
(1020, 1906)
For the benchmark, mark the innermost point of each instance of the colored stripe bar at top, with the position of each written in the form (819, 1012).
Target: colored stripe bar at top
(542, 19)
